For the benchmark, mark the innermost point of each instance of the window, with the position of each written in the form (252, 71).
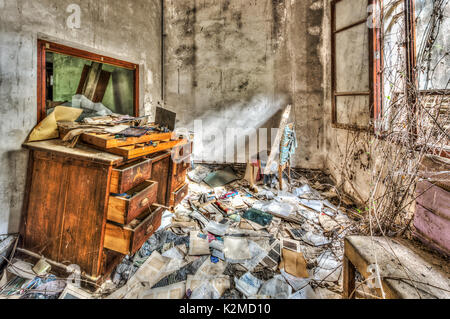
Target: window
(98, 84)
(435, 59)
(352, 64)
(415, 79)
(400, 88)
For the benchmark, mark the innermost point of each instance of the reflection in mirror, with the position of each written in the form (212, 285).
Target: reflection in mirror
(99, 89)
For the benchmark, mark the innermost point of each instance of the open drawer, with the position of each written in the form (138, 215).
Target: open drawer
(123, 210)
(177, 196)
(138, 150)
(128, 239)
(126, 177)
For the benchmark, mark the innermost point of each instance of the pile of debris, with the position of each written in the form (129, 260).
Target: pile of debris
(228, 239)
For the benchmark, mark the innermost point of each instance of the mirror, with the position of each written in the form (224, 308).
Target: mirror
(98, 88)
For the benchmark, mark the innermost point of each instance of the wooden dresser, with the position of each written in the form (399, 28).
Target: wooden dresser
(73, 213)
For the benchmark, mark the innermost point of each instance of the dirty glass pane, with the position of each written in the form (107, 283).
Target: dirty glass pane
(353, 110)
(393, 61)
(349, 12)
(352, 59)
(435, 63)
(100, 89)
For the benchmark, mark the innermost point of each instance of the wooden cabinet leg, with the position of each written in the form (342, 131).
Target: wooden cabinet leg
(349, 279)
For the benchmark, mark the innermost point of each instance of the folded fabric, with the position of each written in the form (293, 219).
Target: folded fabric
(48, 128)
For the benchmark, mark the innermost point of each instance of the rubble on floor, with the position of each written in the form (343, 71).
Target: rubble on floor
(229, 242)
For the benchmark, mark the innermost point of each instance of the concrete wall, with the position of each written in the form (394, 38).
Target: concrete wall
(127, 30)
(237, 64)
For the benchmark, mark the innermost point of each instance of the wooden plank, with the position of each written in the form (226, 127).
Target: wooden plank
(90, 86)
(349, 272)
(101, 87)
(83, 78)
(109, 141)
(360, 263)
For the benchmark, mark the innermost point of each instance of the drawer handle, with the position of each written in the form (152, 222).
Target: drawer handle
(144, 202)
(149, 229)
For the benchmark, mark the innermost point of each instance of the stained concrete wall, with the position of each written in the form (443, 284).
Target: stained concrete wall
(128, 30)
(237, 64)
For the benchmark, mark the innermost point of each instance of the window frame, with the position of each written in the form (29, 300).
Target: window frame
(411, 64)
(44, 46)
(376, 47)
(374, 92)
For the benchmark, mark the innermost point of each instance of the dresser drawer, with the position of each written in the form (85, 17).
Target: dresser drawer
(126, 177)
(177, 196)
(128, 239)
(123, 210)
(179, 174)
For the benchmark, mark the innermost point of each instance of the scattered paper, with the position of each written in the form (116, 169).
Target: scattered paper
(216, 228)
(328, 268)
(257, 255)
(314, 239)
(248, 284)
(295, 282)
(166, 220)
(198, 244)
(236, 248)
(294, 263)
(175, 291)
(327, 223)
(207, 289)
(314, 204)
(276, 288)
(210, 270)
(290, 244)
(273, 257)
